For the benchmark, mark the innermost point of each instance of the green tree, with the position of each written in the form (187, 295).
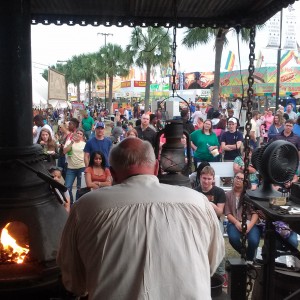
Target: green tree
(112, 61)
(72, 71)
(195, 36)
(149, 47)
(89, 69)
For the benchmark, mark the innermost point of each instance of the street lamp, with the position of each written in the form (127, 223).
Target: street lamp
(105, 35)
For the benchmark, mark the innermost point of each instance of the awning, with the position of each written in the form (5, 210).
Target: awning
(183, 13)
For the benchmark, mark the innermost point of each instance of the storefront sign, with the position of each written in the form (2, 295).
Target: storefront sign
(139, 83)
(125, 84)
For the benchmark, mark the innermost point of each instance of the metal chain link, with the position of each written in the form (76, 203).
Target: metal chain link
(174, 61)
(248, 126)
(252, 275)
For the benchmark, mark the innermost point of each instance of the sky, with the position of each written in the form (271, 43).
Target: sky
(50, 43)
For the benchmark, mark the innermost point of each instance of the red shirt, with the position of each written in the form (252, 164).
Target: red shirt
(99, 178)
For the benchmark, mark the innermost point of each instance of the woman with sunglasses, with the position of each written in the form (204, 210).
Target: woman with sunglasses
(233, 211)
(73, 150)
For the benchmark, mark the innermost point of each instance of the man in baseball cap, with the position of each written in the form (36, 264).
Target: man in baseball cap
(231, 141)
(97, 143)
(100, 124)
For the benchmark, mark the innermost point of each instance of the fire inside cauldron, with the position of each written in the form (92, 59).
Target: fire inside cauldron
(14, 243)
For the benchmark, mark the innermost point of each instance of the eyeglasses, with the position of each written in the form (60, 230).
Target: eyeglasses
(239, 178)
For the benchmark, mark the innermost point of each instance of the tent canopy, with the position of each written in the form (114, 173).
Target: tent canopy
(183, 13)
(39, 91)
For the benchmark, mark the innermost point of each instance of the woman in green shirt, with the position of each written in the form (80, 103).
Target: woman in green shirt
(204, 143)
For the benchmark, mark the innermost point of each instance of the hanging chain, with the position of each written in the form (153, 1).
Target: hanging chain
(250, 93)
(252, 275)
(174, 61)
(248, 126)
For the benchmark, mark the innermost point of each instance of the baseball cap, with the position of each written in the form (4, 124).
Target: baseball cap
(100, 124)
(232, 120)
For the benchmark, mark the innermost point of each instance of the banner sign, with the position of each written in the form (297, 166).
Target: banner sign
(274, 31)
(230, 61)
(155, 87)
(289, 33)
(194, 80)
(261, 75)
(267, 89)
(57, 89)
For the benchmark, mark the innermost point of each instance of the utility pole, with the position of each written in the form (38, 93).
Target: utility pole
(278, 67)
(105, 35)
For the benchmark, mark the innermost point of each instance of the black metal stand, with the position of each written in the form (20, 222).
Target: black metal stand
(269, 252)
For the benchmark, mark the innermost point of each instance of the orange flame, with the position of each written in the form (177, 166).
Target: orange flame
(16, 253)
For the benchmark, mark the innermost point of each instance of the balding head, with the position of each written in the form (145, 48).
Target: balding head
(132, 157)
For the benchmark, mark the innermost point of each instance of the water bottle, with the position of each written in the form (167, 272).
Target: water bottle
(70, 152)
(225, 222)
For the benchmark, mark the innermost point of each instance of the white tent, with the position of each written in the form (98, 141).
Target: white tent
(57, 104)
(39, 91)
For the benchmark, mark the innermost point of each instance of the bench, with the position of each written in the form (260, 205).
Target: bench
(222, 169)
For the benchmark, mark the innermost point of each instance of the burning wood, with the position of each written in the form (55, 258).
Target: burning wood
(10, 250)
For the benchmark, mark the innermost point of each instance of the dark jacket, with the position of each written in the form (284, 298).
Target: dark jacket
(148, 135)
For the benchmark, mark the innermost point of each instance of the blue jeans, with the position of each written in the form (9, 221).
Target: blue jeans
(221, 268)
(70, 177)
(292, 240)
(87, 134)
(61, 162)
(253, 237)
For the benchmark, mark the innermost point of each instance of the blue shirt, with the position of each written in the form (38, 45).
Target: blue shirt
(99, 145)
(296, 129)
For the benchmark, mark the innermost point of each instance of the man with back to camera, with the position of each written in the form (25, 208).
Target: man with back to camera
(87, 123)
(230, 113)
(134, 240)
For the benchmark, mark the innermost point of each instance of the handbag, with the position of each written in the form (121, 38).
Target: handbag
(83, 191)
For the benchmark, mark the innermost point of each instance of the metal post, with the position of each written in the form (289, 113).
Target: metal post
(16, 82)
(278, 66)
(105, 35)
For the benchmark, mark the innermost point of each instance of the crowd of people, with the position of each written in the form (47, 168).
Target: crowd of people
(121, 152)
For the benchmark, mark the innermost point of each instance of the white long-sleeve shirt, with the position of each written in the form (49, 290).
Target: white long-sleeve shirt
(141, 240)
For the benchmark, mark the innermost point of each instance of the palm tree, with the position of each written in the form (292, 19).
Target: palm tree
(195, 36)
(112, 61)
(150, 47)
(73, 73)
(89, 70)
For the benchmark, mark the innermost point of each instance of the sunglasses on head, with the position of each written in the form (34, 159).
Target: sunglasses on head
(55, 169)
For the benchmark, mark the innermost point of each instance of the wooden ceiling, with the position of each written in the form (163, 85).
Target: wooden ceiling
(183, 13)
